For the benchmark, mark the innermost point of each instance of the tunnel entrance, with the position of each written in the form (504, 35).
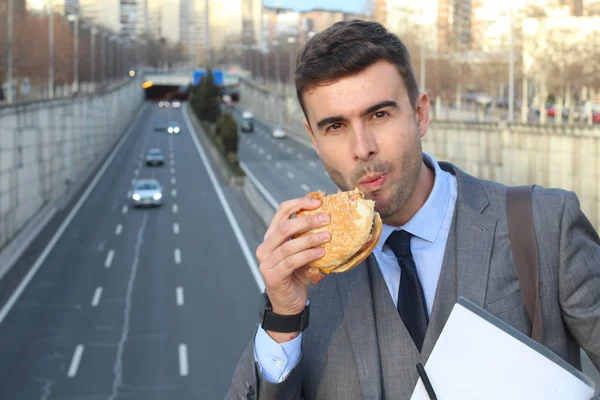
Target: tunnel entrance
(166, 92)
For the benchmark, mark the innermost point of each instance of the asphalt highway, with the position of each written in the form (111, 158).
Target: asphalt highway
(153, 303)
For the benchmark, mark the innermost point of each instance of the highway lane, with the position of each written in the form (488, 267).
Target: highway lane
(285, 167)
(137, 303)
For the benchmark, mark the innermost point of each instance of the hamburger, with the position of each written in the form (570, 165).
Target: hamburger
(355, 228)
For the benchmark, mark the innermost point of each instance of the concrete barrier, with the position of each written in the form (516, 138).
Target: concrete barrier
(48, 149)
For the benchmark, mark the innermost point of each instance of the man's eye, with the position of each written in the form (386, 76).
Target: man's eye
(334, 127)
(380, 114)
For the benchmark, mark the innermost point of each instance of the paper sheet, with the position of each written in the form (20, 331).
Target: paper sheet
(478, 356)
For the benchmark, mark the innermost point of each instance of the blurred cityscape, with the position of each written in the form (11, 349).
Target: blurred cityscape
(516, 60)
(108, 105)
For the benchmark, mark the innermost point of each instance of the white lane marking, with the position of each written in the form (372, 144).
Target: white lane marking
(270, 199)
(172, 155)
(261, 150)
(172, 162)
(312, 164)
(136, 172)
(290, 175)
(173, 192)
(124, 209)
(75, 361)
(179, 293)
(305, 187)
(177, 256)
(289, 150)
(109, 258)
(268, 157)
(176, 228)
(248, 254)
(173, 171)
(118, 230)
(97, 296)
(300, 156)
(117, 383)
(173, 180)
(278, 165)
(175, 208)
(183, 360)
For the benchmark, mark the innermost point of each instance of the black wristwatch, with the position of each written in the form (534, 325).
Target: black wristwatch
(282, 323)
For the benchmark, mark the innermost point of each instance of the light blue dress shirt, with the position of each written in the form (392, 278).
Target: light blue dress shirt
(429, 226)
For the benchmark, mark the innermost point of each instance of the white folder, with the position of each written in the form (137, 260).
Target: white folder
(478, 356)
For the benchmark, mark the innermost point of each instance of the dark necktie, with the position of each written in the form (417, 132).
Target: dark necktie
(411, 299)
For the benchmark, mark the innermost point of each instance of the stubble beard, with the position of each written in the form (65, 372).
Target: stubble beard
(399, 187)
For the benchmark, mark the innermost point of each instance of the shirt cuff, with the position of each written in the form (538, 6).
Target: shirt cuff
(276, 360)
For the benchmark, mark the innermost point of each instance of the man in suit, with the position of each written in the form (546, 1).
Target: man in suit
(445, 235)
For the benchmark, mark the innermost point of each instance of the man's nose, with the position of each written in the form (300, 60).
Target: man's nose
(363, 144)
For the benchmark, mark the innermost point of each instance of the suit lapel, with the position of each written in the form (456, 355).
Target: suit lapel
(445, 295)
(355, 292)
(475, 229)
(467, 257)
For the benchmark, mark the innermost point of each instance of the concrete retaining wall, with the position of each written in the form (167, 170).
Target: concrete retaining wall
(49, 147)
(565, 156)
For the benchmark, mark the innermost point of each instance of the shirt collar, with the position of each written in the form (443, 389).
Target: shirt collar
(427, 222)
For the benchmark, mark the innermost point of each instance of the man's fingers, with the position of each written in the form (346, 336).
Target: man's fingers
(287, 266)
(288, 208)
(295, 246)
(289, 228)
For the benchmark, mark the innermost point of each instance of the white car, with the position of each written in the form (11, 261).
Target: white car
(145, 192)
(279, 132)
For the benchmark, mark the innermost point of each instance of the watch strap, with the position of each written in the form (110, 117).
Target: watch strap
(286, 323)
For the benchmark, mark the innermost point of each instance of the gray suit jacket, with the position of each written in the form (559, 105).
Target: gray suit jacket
(357, 347)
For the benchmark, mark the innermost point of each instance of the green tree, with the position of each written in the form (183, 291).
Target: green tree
(208, 93)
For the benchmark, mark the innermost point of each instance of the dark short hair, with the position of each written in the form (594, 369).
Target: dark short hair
(347, 48)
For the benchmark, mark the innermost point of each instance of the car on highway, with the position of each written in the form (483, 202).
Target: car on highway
(154, 157)
(279, 132)
(176, 104)
(163, 104)
(145, 192)
(247, 121)
(160, 125)
(173, 128)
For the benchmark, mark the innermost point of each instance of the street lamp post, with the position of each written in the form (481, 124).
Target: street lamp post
(292, 41)
(277, 71)
(103, 57)
(75, 19)
(93, 55)
(511, 70)
(10, 31)
(51, 49)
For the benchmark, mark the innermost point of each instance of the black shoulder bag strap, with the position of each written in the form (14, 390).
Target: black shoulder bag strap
(523, 243)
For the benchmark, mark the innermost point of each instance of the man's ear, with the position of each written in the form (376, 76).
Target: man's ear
(311, 134)
(423, 109)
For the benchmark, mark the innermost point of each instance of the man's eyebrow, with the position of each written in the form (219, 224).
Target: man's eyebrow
(340, 118)
(329, 120)
(383, 104)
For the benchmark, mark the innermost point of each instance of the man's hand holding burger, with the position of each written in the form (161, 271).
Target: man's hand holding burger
(283, 257)
(310, 238)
